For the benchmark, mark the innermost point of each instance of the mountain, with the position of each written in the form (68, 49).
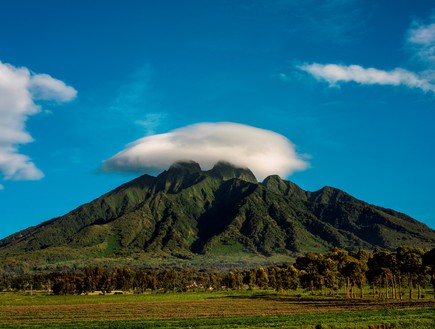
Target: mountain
(187, 215)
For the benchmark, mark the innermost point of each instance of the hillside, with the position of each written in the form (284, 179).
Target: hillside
(187, 215)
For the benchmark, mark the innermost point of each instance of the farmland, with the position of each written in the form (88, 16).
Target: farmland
(219, 309)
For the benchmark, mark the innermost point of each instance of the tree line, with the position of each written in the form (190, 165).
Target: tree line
(391, 275)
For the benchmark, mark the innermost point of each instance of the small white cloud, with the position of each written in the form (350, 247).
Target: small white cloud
(44, 87)
(263, 151)
(19, 88)
(17, 166)
(2, 187)
(334, 74)
(422, 34)
(421, 39)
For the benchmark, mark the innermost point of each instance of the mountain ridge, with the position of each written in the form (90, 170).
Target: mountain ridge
(186, 213)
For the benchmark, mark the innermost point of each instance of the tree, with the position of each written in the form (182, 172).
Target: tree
(290, 278)
(272, 273)
(141, 280)
(429, 261)
(329, 271)
(262, 278)
(283, 277)
(124, 278)
(310, 269)
(342, 258)
(410, 262)
(107, 281)
(381, 269)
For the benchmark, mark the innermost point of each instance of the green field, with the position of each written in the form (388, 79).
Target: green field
(244, 309)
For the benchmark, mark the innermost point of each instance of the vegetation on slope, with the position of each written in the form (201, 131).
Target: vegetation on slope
(189, 215)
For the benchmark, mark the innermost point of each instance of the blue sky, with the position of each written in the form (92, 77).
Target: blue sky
(350, 83)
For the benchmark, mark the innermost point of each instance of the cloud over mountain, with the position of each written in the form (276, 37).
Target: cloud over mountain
(19, 88)
(263, 151)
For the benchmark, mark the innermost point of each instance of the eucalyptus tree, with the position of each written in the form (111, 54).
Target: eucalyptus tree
(262, 278)
(309, 267)
(330, 273)
(290, 278)
(342, 258)
(410, 262)
(429, 261)
(381, 272)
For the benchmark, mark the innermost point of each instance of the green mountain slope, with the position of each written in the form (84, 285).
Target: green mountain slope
(224, 213)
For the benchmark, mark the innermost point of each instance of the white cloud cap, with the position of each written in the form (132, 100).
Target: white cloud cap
(333, 74)
(263, 151)
(18, 90)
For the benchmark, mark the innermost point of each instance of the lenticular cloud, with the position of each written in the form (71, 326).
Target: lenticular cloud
(263, 151)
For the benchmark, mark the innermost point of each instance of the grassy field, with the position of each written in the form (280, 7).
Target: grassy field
(244, 309)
